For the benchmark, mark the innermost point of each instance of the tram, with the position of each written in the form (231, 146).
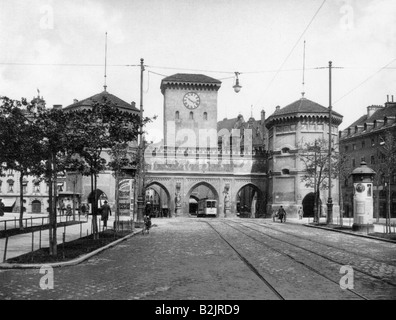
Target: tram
(207, 207)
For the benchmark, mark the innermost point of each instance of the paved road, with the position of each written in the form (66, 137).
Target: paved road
(206, 259)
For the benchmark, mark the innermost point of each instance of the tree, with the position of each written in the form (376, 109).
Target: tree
(344, 170)
(387, 166)
(95, 130)
(315, 158)
(20, 144)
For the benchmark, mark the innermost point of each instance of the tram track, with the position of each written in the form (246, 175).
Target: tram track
(248, 264)
(297, 261)
(267, 225)
(316, 253)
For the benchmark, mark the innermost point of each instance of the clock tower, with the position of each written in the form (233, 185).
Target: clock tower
(190, 110)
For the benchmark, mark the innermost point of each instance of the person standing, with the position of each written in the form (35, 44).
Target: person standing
(300, 213)
(106, 211)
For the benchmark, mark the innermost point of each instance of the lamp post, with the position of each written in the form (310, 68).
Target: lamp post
(140, 189)
(329, 199)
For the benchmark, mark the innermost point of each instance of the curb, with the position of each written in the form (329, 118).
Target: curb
(66, 263)
(350, 233)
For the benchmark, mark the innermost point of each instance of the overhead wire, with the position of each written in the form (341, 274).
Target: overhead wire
(364, 81)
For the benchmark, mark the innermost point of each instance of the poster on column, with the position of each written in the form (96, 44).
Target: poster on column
(125, 197)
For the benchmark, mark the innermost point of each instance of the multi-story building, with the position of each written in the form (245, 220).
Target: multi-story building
(290, 127)
(362, 141)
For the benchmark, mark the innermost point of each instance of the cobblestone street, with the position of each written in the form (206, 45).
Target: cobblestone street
(206, 259)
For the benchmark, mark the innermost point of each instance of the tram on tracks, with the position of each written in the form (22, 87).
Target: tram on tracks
(207, 207)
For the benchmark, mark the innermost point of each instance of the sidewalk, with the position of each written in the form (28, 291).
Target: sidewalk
(22, 243)
(347, 222)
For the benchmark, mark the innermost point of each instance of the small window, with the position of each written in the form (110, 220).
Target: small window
(363, 159)
(177, 115)
(354, 146)
(285, 171)
(353, 163)
(285, 150)
(363, 144)
(372, 160)
(191, 115)
(205, 116)
(346, 148)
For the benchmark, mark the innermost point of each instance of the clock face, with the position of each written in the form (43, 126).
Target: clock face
(191, 100)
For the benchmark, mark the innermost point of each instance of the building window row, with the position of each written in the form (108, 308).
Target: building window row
(191, 116)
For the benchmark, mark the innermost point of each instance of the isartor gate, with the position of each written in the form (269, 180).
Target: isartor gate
(239, 184)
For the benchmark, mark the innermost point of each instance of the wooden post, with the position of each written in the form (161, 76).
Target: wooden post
(15, 222)
(5, 225)
(63, 245)
(32, 241)
(5, 250)
(80, 229)
(31, 221)
(40, 237)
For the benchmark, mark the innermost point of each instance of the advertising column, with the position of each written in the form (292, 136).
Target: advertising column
(125, 203)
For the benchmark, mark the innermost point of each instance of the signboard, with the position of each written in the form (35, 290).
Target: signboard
(125, 197)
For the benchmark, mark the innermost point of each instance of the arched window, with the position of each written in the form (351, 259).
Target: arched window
(205, 116)
(285, 150)
(177, 115)
(285, 171)
(191, 115)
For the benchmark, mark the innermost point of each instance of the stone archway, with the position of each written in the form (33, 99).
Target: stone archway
(248, 200)
(214, 194)
(308, 204)
(165, 204)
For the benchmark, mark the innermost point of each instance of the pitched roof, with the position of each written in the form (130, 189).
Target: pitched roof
(190, 80)
(101, 97)
(379, 115)
(304, 105)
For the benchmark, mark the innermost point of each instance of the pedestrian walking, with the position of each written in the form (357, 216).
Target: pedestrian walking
(300, 213)
(282, 214)
(1, 208)
(147, 223)
(105, 212)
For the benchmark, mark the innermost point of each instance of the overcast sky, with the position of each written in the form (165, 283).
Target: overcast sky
(58, 48)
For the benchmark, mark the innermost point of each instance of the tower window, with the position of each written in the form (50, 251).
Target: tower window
(177, 115)
(285, 171)
(205, 116)
(191, 115)
(285, 150)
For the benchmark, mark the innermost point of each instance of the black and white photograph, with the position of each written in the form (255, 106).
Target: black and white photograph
(196, 156)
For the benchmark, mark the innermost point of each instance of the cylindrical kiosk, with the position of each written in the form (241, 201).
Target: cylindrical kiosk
(363, 198)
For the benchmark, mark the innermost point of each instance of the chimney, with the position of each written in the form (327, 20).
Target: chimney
(75, 100)
(371, 110)
(133, 104)
(57, 106)
(262, 116)
(277, 108)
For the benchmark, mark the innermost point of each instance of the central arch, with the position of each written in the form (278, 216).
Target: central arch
(214, 194)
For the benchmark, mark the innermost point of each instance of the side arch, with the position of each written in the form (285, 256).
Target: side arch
(250, 200)
(168, 203)
(210, 187)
